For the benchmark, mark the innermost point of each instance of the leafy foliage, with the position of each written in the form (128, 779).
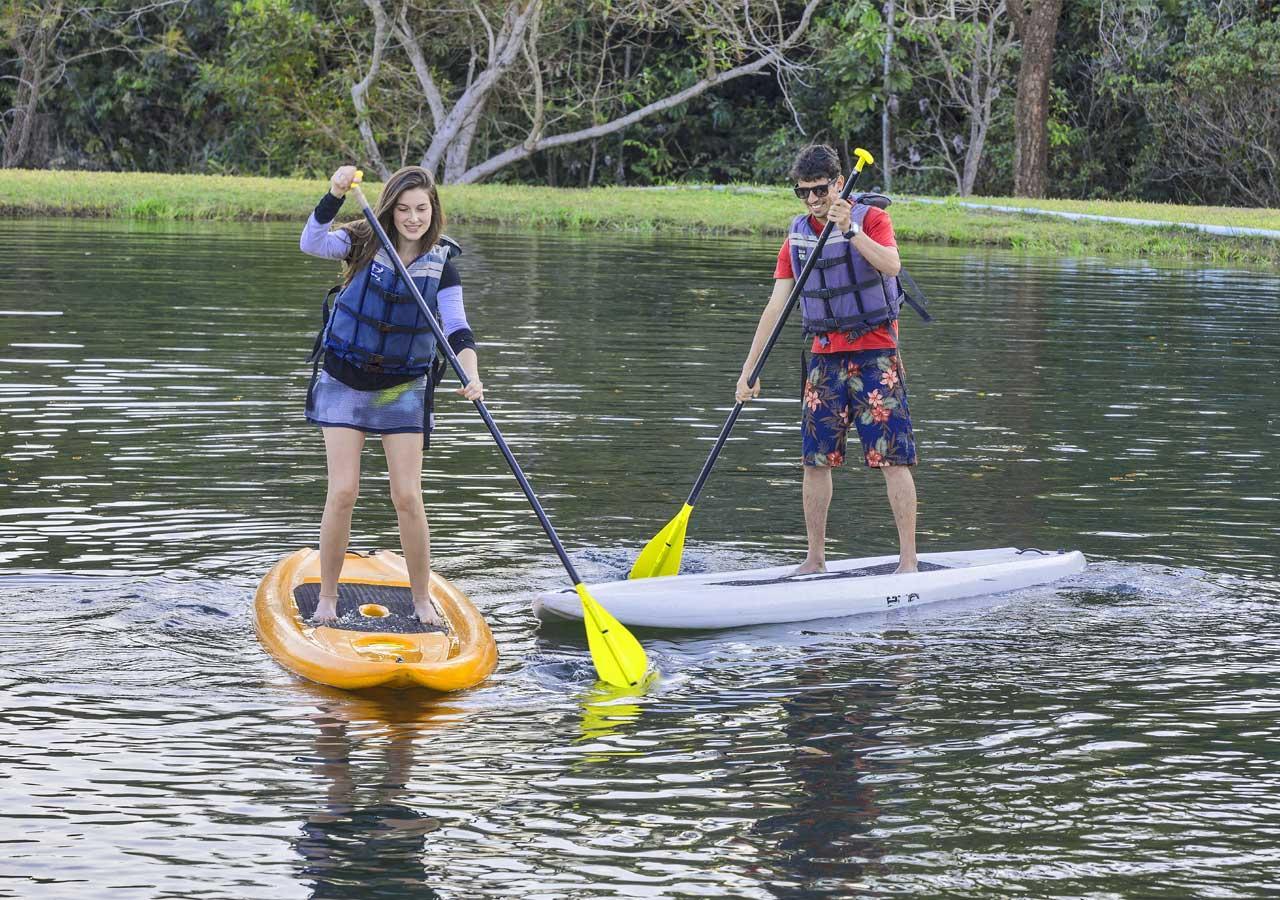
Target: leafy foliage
(1150, 99)
(1217, 116)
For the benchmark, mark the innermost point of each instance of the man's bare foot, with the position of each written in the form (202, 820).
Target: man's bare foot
(905, 567)
(427, 612)
(326, 610)
(809, 567)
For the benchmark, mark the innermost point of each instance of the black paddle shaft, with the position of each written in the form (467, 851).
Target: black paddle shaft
(773, 339)
(462, 376)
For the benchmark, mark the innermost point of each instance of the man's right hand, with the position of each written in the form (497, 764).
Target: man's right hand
(742, 393)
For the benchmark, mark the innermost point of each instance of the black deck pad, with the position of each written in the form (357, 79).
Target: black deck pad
(882, 569)
(397, 600)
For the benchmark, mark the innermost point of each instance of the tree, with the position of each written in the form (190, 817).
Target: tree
(1217, 116)
(280, 88)
(1188, 98)
(485, 71)
(959, 61)
(32, 33)
(46, 39)
(1036, 23)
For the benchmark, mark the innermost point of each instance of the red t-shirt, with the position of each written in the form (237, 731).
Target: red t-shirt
(879, 228)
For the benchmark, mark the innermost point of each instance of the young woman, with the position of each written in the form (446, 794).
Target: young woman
(378, 352)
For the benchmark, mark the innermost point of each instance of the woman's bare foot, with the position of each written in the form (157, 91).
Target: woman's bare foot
(810, 567)
(906, 567)
(326, 609)
(427, 612)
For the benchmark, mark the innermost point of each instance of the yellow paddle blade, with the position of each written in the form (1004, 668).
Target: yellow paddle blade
(618, 656)
(661, 556)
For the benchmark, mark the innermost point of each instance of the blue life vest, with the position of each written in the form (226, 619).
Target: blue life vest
(843, 292)
(376, 323)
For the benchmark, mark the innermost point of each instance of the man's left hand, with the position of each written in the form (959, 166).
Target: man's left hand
(841, 214)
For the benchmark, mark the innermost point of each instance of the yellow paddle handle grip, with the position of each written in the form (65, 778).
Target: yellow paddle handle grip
(864, 159)
(355, 187)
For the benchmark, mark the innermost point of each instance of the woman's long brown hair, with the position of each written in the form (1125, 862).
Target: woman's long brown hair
(365, 244)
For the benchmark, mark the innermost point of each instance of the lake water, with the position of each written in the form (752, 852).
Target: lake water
(1114, 735)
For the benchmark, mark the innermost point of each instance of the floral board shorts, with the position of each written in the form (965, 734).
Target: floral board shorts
(865, 389)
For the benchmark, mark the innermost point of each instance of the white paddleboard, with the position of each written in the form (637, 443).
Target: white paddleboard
(847, 588)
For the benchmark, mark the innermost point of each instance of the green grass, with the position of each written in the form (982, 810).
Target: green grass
(733, 210)
(1235, 217)
(962, 226)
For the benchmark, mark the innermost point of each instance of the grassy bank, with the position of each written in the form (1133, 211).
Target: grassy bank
(725, 211)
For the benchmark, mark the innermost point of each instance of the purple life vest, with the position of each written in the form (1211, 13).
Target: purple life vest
(843, 292)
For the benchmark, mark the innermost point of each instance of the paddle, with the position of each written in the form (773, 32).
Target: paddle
(618, 657)
(661, 556)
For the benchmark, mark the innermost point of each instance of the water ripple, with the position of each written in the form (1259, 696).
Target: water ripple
(1109, 736)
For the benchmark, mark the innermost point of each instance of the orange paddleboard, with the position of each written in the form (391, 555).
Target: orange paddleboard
(376, 641)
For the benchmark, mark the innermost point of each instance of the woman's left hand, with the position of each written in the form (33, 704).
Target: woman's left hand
(474, 390)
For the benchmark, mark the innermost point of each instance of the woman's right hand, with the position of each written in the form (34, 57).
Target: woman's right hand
(341, 180)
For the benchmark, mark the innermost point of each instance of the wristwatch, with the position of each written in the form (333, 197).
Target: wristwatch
(854, 228)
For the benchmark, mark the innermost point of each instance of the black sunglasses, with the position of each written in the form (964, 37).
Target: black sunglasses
(819, 190)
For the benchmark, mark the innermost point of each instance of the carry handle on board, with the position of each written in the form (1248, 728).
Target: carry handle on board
(661, 556)
(618, 657)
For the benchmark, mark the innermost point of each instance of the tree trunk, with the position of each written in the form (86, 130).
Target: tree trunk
(360, 90)
(620, 171)
(26, 101)
(886, 159)
(459, 151)
(31, 81)
(505, 48)
(973, 156)
(1037, 28)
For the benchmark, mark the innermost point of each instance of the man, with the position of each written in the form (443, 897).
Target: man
(849, 304)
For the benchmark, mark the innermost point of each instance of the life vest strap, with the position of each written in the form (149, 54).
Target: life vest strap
(381, 326)
(317, 349)
(828, 293)
(921, 311)
(913, 296)
(847, 323)
(865, 322)
(374, 362)
(826, 262)
(389, 296)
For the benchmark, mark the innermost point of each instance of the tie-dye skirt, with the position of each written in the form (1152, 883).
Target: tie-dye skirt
(394, 410)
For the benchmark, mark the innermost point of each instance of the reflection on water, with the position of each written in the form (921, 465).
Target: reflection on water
(1108, 736)
(367, 839)
(825, 836)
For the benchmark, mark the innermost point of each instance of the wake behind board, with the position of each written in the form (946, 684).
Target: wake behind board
(376, 641)
(847, 588)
